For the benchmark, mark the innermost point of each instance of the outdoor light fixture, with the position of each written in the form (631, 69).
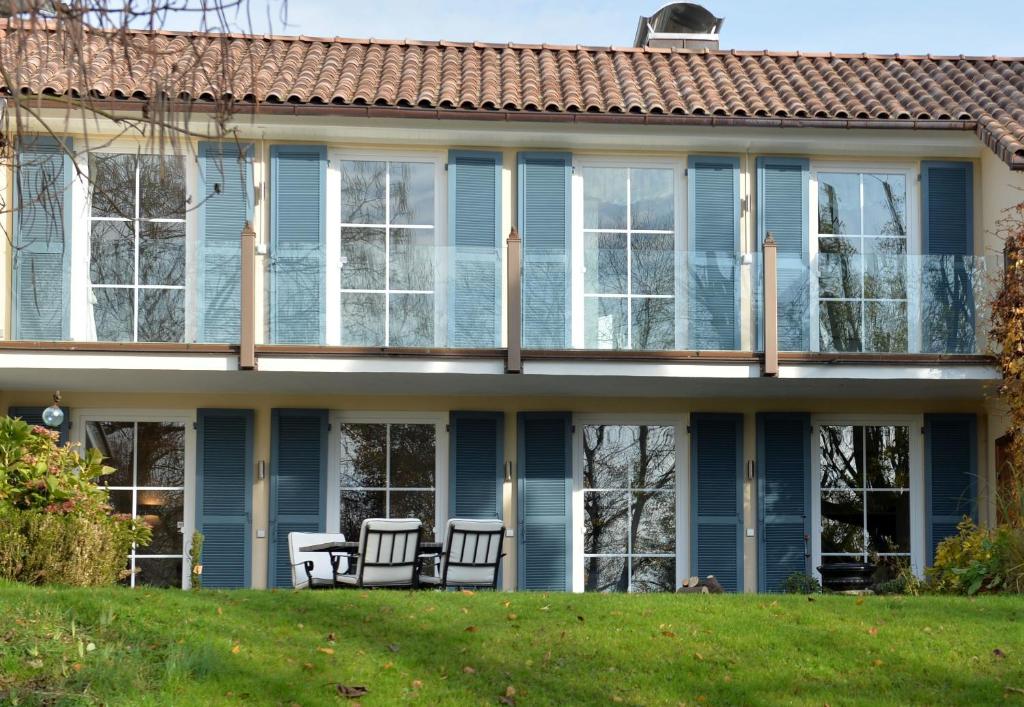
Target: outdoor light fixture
(53, 416)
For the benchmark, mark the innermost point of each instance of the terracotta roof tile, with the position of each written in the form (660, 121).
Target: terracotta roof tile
(736, 87)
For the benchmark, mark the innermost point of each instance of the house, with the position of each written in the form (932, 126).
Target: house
(529, 282)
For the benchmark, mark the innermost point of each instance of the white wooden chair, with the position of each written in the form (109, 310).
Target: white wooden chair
(471, 556)
(388, 554)
(314, 570)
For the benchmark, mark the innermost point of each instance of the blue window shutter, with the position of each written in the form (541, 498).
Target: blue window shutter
(34, 416)
(298, 176)
(474, 212)
(224, 441)
(782, 210)
(544, 503)
(716, 495)
(298, 483)
(951, 475)
(226, 190)
(713, 184)
(947, 190)
(545, 226)
(784, 497)
(42, 240)
(477, 458)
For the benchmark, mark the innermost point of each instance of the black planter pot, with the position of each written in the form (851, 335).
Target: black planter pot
(846, 576)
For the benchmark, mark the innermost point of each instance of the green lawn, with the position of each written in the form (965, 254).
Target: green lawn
(117, 646)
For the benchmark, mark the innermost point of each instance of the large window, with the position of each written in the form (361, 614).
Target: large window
(864, 493)
(136, 248)
(629, 508)
(388, 470)
(149, 483)
(628, 288)
(862, 244)
(388, 253)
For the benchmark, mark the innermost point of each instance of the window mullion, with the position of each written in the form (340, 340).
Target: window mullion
(387, 261)
(629, 260)
(387, 470)
(137, 233)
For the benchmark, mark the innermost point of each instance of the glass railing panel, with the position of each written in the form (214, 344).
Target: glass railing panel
(645, 297)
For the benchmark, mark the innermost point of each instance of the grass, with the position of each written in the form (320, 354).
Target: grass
(118, 646)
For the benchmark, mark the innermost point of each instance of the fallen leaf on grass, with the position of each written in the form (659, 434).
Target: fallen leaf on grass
(469, 670)
(417, 684)
(509, 698)
(698, 656)
(219, 611)
(580, 618)
(308, 666)
(236, 648)
(668, 634)
(468, 592)
(471, 629)
(873, 630)
(860, 600)
(326, 651)
(350, 691)
(1017, 690)
(465, 610)
(616, 698)
(997, 653)
(506, 604)
(393, 647)
(330, 637)
(877, 663)
(546, 607)
(388, 666)
(511, 617)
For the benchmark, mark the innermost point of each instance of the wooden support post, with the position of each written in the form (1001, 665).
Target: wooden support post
(514, 260)
(771, 306)
(247, 330)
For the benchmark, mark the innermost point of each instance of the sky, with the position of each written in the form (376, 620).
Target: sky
(877, 26)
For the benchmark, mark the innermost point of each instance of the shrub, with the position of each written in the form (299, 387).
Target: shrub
(56, 524)
(800, 583)
(979, 560)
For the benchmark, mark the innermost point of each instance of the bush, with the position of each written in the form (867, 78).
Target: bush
(979, 560)
(800, 583)
(56, 524)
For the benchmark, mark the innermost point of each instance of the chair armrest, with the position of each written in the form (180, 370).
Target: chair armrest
(308, 565)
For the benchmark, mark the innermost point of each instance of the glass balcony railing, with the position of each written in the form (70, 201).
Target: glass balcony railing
(889, 304)
(624, 299)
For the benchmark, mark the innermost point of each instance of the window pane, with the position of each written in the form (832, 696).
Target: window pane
(842, 521)
(158, 572)
(605, 574)
(840, 267)
(888, 521)
(651, 196)
(162, 511)
(121, 501)
(364, 455)
(654, 267)
(362, 259)
(112, 185)
(112, 253)
(412, 193)
(885, 268)
(362, 319)
(604, 321)
(604, 465)
(604, 260)
(839, 203)
(413, 455)
(842, 457)
(161, 253)
(654, 522)
(161, 315)
(885, 326)
(840, 326)
(412, 259)
(415, 504)
(412, 321)
(654, 324)
(653, 464)
(654, 574)
(116, 442)
(885, 204)
(362, 191)
(604, 197)
(605, 519)
(357, 506)
(888, 457)
(161, 187)
(161, 460)
(113, 313)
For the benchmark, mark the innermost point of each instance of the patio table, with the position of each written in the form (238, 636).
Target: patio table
(350, 547)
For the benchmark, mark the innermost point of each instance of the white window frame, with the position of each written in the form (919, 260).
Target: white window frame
(440, 422)
(578, 264)
(81, 417)
(334, 224)
(682, 485)
(911, 171)
(81, 221)
(915, 426)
